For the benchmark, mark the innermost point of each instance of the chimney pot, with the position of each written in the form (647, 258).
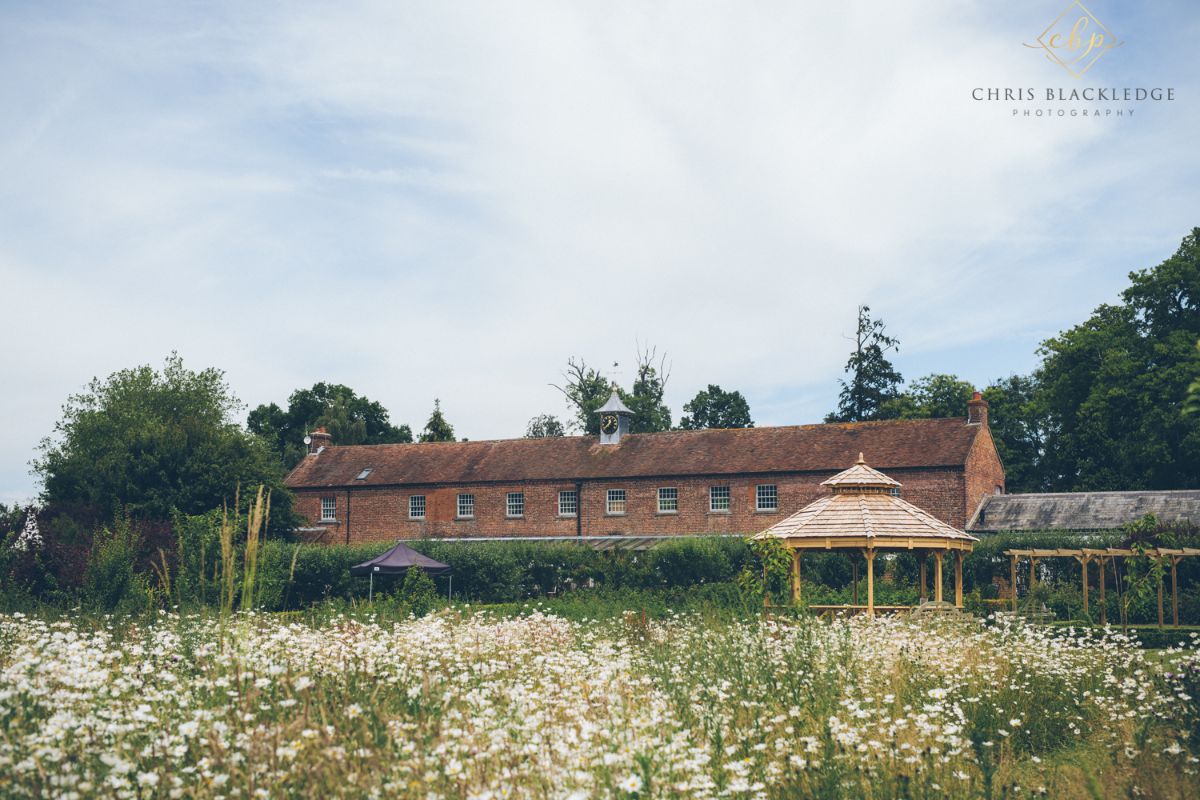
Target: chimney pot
(977, 410)
(320, 439)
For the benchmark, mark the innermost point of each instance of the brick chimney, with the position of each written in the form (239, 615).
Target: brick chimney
(977, 410)
(319, 438)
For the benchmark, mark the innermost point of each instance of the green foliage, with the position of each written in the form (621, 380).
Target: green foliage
(767, 577)
(544, 426)
(437, 429)
(150, 442)
(1017, 419)
(873, 379)
(716, 408)
(349, 418)
(418, 591)
(1114, 386)
(111, 581)
(934, 396)
(586, 390)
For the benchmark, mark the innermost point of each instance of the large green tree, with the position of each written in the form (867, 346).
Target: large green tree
(716, 408)
(1114, 386)
(151, 441)
(933, 396)
(544, 426)
(437, 429)
(1017, 418)
(873, 380)
(349, 417)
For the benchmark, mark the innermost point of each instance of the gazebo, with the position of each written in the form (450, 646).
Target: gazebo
(864, 512)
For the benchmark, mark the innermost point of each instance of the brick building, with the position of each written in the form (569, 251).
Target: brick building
(679, 482)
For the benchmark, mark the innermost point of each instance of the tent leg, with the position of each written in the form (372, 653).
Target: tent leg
(450, 589)
(371, 590)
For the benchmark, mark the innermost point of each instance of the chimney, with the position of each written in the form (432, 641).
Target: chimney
(977, 410)
(318, 440)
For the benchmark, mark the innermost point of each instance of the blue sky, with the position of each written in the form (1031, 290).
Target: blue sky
(450, 199)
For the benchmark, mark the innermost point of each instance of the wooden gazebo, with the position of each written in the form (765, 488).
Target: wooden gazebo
(864, 512)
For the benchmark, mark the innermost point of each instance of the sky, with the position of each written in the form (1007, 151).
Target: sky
(450, 199)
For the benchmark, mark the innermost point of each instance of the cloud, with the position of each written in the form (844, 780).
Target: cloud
(448, 200)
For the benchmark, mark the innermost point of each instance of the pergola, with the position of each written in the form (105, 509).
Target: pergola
(864, 512)
(1085, 556)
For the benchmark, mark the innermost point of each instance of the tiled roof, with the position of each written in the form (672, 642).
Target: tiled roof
(893, 444)
(1083, 511)
(862, 510)
(861, 475)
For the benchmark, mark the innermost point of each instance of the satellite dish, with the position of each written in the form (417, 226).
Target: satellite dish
(308, 440)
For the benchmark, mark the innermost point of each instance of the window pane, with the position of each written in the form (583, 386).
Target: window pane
(718, 498)
(416, 506)
(767, 497)
(616, 501)
(568, 504)
(668, 500)
(515, 504)
(466, 505)
(328, 508)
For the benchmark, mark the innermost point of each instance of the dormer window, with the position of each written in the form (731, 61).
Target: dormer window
(362, 476)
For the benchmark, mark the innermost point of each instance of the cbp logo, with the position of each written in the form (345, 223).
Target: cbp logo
(1076, 40)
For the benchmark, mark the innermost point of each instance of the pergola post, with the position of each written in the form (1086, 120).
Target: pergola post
(869, 554)
(924, 558)
(1083, 562)
(1012, 563)
(958, 579)
(1160, 592)
(1032, 573)
(1103, 603)
(795, 577)
(937, 576)
(1174, 591)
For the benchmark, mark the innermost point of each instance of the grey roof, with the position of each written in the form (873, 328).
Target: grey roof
(1083, 511)
(614, 405)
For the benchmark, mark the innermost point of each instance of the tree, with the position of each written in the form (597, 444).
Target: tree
(1114, 386)
(150, 442)
(1017, 420)
(650, 414)
(873, 379)
(716, 408)
(586, 390)
(349, 418)
(437, 429)
(544, 426)
(932, 397)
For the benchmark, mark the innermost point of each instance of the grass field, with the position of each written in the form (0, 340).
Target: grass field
(473, 704)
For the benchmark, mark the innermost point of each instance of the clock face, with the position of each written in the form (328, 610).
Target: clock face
(608, 423)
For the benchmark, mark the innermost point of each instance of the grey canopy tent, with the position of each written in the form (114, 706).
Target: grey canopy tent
(397, 561)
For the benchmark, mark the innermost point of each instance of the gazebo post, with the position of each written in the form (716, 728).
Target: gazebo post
(937, 576)
(924, 559)
(1012, 564)
(869, 553)
(1174, 591)
(958, 579)
(796, 576)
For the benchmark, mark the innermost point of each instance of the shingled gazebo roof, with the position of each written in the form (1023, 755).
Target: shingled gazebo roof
(864, 510)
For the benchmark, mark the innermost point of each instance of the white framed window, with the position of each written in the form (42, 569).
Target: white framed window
(894, 491)
(328, 509)
(766, 497)
(616, 501)
(416, 506)
(466, 506)
(668, 500)
(514, 504)
(718, 498)
(568, 503)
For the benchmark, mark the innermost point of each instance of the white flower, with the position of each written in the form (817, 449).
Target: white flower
(632, 783)
(148, 779)
(1014, 722)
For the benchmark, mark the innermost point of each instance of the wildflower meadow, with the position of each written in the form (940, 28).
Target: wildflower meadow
(472, 704)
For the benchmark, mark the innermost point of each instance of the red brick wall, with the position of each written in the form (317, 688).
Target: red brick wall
(984, 472)
(381, 514)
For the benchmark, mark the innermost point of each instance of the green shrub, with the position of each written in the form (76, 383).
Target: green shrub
(418, 591)
(111, 578)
